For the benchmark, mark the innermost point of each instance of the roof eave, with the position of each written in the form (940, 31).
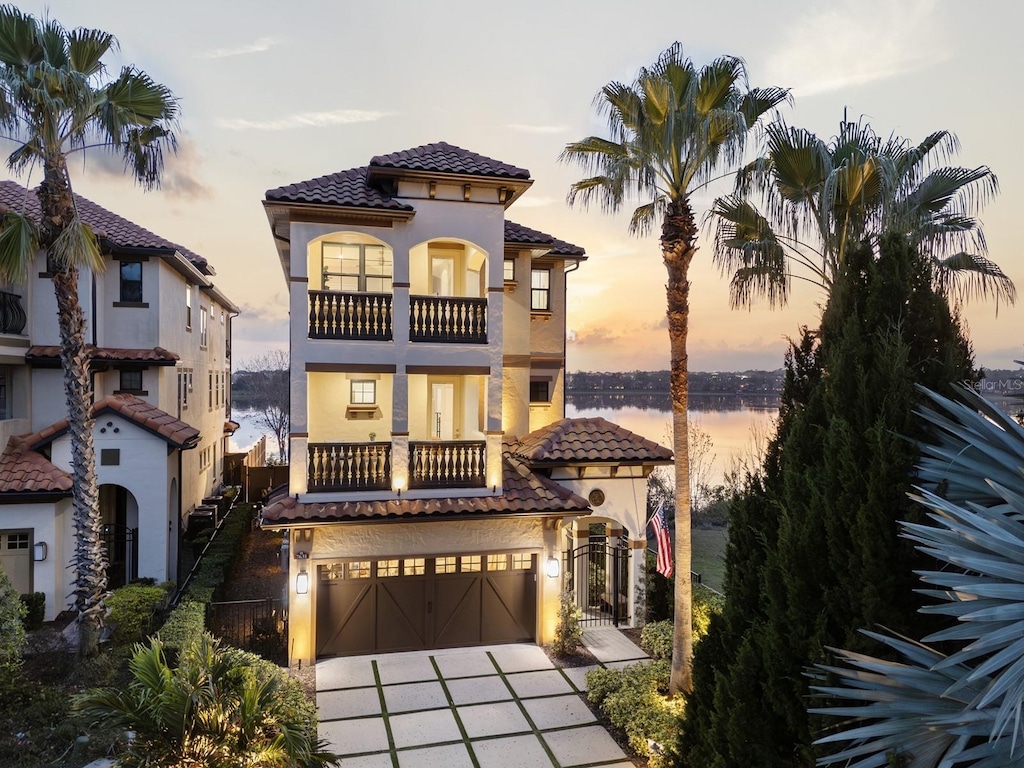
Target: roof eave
(516, 186)
(275, 525)
(32, 497)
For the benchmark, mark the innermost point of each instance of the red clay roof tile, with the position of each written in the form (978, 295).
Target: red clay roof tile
(118, 231)
(524, 493)
(346, 188)
(157, 355)
(588, 440)
(23, 470)
(443, 157)
(517, 233)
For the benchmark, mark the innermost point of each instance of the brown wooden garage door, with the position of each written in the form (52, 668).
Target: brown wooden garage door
(16, 559)
(421, 603)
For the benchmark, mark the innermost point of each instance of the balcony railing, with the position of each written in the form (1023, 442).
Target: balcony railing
(12, 315)
(448, 319)
(335, 315)
(349, 466)
(447, 464)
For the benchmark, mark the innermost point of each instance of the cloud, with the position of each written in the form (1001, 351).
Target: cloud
(257, 46)
(304, 120)
(181, 177)
(535, 202)
(538, 129)
(857, 42)
(274, 311)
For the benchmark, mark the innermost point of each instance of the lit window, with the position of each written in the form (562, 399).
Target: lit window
(360, 570)
(414, 566)
(188, 307)
(386, 568)
(131, 381)
(332, 572)
(364, 392)
(540, 289)
(353, 267)
(510, 270)
(131, 282)
(445, 565)
(471, 563)
(522, 562)
(497, 562)
(202, 327)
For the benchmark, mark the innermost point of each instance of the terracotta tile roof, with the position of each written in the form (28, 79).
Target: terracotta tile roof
(346, 188)
(118, 231)
(156, 355)
(583, 440)
(230, 427)
(23, 470)
(443, 157)
(517, 233)
(523, 493)
(146, 415)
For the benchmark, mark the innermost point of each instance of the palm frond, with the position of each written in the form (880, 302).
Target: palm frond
(86, 49)
(19, 243)
(78, 246)
(965, 275)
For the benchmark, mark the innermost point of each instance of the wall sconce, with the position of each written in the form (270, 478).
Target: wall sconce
(553, 568)
(301, 583)
(39, 551)
(399, 484)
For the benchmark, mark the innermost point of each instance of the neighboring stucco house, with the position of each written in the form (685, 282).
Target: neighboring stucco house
(159, 335)
(435, 487)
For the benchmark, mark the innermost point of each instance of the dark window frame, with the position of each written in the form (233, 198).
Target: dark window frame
(362, 277)
(535, 393)
(131, 289)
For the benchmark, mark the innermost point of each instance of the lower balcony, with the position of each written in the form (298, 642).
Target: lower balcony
(448, 464)
(349, 466)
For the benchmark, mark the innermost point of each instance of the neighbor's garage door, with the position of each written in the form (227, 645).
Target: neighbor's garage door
(419, 603)
(16, 559)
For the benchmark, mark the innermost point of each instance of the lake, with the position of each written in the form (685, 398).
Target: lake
(731, 421)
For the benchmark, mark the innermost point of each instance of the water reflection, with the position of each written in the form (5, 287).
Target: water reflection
(660, 401)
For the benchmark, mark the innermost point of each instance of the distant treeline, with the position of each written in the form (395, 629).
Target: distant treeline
(765, 383)
(257, 389)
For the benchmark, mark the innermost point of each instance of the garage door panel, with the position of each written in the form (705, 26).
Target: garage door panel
(456, 611)
(401, 620)
(345, 618)
(16, 560)
(508, 608)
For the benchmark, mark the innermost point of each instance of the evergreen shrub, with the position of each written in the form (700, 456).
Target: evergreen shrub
(35, 609)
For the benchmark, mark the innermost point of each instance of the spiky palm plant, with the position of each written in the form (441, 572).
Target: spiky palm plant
(671, 131)
(964, 708)
(56, 99)
(218, 708)
(817, 199)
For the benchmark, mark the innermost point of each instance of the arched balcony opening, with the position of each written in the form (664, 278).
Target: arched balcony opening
(448, 290)
(350, 287)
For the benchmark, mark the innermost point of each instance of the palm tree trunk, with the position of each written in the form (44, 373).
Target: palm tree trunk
(89, 558)
(678, 235)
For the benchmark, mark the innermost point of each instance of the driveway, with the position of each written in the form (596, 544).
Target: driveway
(495, 706)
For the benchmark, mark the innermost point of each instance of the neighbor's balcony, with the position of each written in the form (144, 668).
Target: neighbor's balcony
(349, 466)
(12, 315)
(448, 464)
(369, 317)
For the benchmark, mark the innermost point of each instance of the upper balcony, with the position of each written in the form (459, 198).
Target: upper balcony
(353, 296)
(12, 314)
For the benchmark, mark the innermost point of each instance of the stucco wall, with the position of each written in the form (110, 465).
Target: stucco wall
(330, 395)
(49, 522)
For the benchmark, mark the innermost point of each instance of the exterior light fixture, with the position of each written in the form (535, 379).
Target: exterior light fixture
(39, 551)
(399, 484)
(301, 583)
(553, 568)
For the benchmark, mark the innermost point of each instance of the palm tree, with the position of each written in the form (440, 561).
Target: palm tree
(964, 708)
(218, 708)
(819, 198)
(56, 99)
(671, 131)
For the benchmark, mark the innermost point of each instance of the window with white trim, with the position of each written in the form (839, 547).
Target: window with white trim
(356, 267)
(540, 289)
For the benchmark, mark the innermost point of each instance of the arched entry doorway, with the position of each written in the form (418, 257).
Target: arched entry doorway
(597, 570)
(119, 515)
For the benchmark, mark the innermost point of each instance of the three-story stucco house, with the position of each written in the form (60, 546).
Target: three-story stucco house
(159, 336)
(435, 486)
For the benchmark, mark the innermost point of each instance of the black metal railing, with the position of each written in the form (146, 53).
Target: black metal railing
(360, 316)
(349, 466)
(12, 315)
(448, 319)
(260, 626)
(448, 464)
(121, 545)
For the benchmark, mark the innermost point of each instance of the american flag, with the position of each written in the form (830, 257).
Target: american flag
(664, 542)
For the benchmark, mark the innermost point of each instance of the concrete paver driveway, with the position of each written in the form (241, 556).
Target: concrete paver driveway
(496, 706)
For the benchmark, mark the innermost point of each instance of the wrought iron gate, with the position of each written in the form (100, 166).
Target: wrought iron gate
(121, 544)
(598, 574)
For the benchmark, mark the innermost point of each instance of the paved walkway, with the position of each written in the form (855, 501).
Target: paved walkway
(496, 706)
(612, 648)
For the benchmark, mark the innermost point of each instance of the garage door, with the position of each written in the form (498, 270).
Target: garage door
(16, 560)
(421, 603)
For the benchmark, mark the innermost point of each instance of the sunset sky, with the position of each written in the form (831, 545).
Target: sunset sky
(273, 93)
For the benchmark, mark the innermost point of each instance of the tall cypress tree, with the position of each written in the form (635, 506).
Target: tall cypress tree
(814, 551)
